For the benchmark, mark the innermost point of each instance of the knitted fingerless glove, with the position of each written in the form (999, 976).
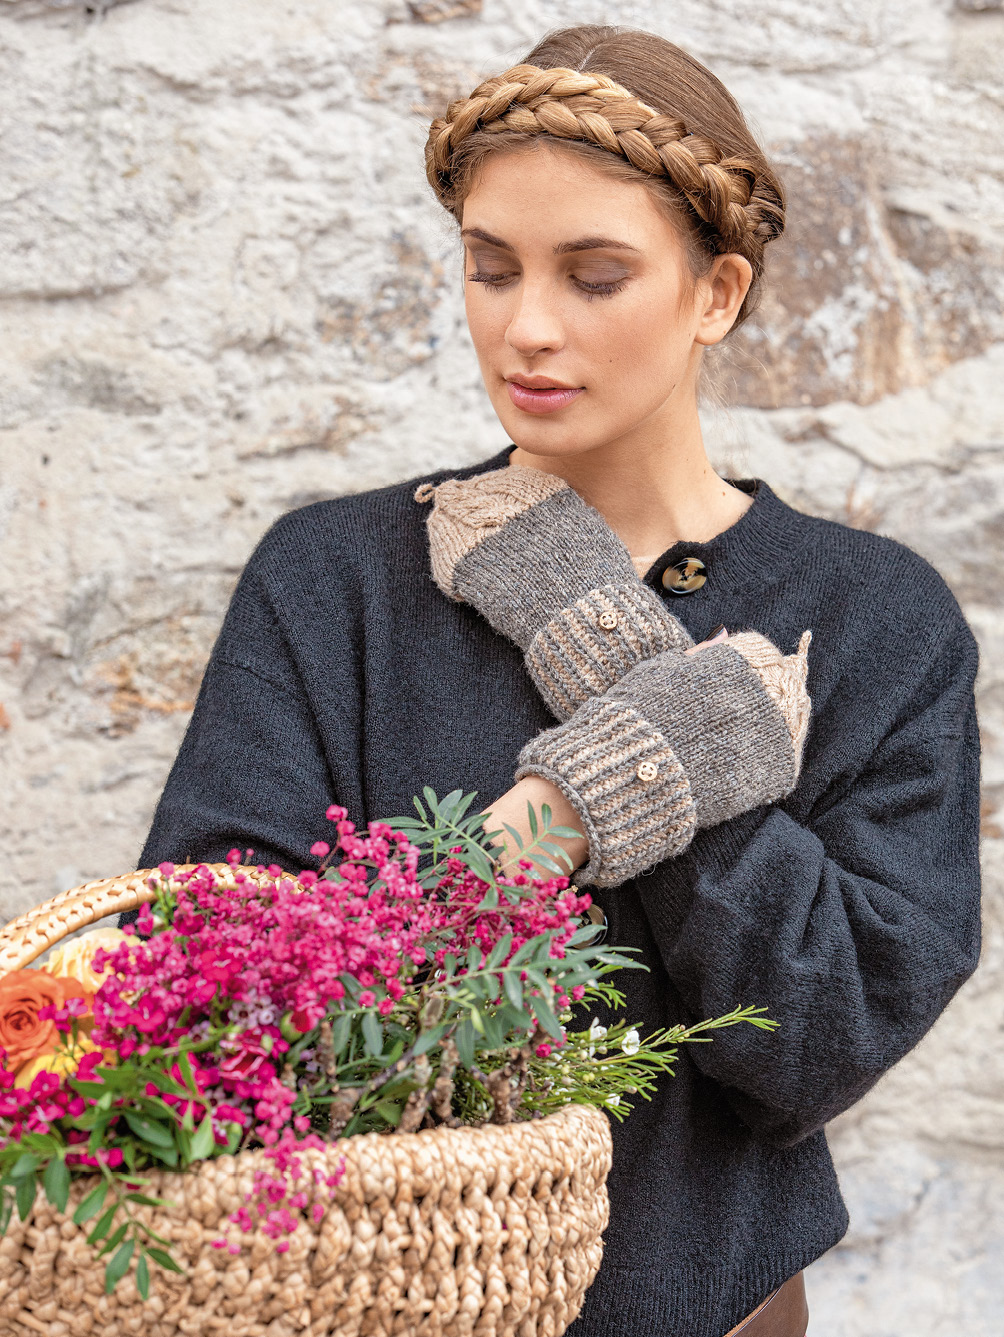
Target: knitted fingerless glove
(546, 570)
(680, 742)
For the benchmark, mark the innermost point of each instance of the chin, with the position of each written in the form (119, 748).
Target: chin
(548, 436)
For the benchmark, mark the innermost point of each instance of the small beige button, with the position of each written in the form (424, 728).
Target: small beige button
(648, 770)
(607, 620)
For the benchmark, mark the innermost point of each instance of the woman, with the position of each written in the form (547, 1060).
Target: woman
(596, 620)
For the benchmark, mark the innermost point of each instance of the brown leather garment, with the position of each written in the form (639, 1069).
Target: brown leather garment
(784, 1313)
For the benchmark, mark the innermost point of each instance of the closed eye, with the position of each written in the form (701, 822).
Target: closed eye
(588, 290)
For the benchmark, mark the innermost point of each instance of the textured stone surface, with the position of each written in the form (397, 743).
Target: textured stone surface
(225, 290)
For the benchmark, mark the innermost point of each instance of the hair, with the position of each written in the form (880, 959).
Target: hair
(639, 108)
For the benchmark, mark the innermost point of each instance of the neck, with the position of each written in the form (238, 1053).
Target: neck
(653, 489)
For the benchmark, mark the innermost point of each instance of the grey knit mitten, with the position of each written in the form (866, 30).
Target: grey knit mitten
(680, 742)
(546, 570)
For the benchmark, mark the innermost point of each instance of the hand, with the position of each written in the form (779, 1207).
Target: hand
(546, 570)
(681, 741)
(511, 808)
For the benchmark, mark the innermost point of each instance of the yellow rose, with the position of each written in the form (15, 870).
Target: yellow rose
(72, 960)
(63, 1062)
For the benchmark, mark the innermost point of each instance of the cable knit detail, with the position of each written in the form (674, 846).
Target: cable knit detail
(466, 511)
(783, 677)
(588, 646)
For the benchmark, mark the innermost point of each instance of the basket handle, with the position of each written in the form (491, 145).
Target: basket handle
(24, 939)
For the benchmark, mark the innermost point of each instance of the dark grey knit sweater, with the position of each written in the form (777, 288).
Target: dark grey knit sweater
(850, 908)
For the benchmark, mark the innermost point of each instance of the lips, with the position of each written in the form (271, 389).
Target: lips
(543, 398)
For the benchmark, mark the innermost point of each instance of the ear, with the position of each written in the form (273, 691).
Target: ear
(724, 289)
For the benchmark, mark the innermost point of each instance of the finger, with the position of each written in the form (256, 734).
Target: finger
(720, 635)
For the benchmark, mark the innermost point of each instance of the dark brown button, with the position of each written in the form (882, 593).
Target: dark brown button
(596, 916)
(685, 576)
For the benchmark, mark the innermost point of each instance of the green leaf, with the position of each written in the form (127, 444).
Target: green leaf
(544, 1013)
(490, 900)
(104, 1224)
(92, 1203)
(26, 1190)
(187, 1076)
(449, 805)
(499, 952)
(464, 1038)
(156, 1134)
(494, 1032)
(551, 866)
(115, 1239)
(144, 1201)
(480, 865)
(6, 1210)
(390, 1111)
(203, 1142)
(341, 1029)
(25, 1165)
(143, 1277)
(116, 1269)
(429, 1039)
(89, 1089)
(163, 1259)
(56, 1182)
(517, 838)
(531, 817)
(372, 1034)
(523, 954)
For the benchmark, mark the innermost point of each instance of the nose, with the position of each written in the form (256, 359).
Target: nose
(535, 326)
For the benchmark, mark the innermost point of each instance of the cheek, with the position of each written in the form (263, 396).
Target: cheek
(486, 318)
(646, 339)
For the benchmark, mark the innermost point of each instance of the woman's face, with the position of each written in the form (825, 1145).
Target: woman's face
(577, 281)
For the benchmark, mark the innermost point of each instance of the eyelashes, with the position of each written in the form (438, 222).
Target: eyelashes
(588, 290)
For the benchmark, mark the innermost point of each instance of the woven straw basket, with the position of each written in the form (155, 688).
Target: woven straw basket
(490, 1231)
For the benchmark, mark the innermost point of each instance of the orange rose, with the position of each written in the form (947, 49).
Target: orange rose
(22, 1034)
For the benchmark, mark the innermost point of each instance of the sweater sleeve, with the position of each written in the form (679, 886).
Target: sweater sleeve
(854, 927)
(250, 774)
(252, 771)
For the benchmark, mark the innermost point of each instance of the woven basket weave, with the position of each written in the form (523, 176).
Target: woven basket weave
(488, 1232)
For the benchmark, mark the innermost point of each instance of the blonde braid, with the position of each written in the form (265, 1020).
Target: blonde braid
(594, 108)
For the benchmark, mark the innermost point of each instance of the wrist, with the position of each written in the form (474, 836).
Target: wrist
(511, 809)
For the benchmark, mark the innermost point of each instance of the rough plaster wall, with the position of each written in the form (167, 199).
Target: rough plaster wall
(225, 291)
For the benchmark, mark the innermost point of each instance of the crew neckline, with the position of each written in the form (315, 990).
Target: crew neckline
(753, 550)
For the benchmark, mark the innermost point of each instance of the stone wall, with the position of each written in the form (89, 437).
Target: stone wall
(225, 290)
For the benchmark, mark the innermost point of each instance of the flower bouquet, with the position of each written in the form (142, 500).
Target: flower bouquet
(363, 1100)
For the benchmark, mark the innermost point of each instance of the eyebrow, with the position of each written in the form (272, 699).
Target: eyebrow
(563, 248)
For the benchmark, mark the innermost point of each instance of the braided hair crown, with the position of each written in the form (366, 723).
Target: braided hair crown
(734, 201)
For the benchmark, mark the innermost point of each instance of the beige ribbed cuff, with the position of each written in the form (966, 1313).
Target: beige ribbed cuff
(589, 646)
(625, 782)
